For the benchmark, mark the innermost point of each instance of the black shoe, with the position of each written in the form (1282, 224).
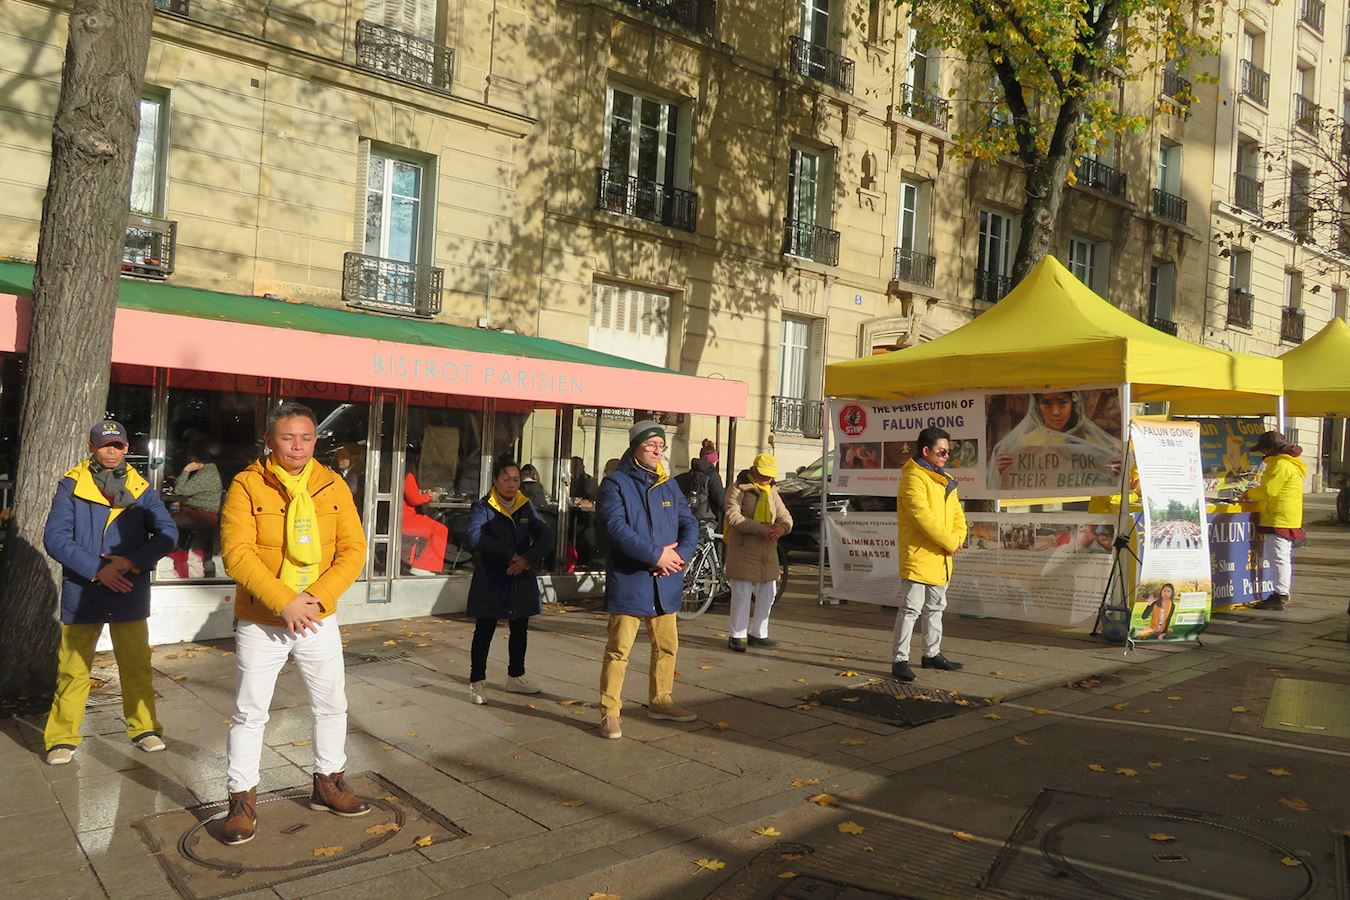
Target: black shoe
(1275, 602)
(737, 644)
(901, 671)
(760, 642)
(941, 662)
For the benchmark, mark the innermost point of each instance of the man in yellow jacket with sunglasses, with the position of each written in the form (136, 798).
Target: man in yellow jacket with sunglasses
(293, 543)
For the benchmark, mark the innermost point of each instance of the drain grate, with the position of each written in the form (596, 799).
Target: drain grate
(357, 659)
(903, 705)
(1308, 707)
(808, 887)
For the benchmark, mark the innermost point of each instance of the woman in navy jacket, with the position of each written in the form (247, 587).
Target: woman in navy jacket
(510, 542)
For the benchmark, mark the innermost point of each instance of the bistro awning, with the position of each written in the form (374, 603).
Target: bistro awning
(177, 327)
(1052, 331)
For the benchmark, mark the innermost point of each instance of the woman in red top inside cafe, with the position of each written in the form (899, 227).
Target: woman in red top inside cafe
(424, 538)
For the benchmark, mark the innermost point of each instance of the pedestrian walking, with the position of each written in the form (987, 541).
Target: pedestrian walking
(931, 528)
(652, 534)
(1280, 495)
(293, 543)
(510, 541)
(107, 528)
(755, 520)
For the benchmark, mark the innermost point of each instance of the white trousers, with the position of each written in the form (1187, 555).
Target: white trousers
(741, 593)
(916, 599)
(1283, 563)
(260, 652)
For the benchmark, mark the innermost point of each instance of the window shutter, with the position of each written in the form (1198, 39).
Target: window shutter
(630, 322)
(362, 185)
(817, 367)
(377, 11)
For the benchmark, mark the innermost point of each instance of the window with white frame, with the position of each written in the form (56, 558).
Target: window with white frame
(148, 163)
(1161, 291)
(814, 22)
(808, 187)
(922, 72)
(1240, 271)
(394, 207)
(799, 366)
(630, 322)
(993, 266)
(1338, 306)
(1293, 290)
(876, 20)
(915, 205)
(1089, 261)
(1169, 168)
(644, 138)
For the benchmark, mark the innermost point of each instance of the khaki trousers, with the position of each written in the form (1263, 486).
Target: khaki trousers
(661, 680)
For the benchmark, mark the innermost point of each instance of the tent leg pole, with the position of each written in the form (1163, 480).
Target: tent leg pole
(1279, 414)
(824, 495)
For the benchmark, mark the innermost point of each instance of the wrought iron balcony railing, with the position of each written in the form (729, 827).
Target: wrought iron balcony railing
(793, 415)
(1255, 82)
(696, 15)
(177, 7)
(820, 63)
(1240, 307)
(148, 249)
(1167, 326)
(1175, 85)
(1312, 13)
(1169, 206)
(1305, 114)
(1291, 325)
(922, 106)
(391, 286)
(619, 192)
(991, 287)
(404, 56)
(1097, 175)
(810, 241)
(1247, 193)
(914, 267)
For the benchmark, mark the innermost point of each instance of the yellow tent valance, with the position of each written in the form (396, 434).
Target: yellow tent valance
(1052, 331)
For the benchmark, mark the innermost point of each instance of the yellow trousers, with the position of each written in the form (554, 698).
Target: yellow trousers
(131, 647)
(622, 632)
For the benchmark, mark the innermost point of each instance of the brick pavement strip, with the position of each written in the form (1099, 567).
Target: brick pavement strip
(653, 803)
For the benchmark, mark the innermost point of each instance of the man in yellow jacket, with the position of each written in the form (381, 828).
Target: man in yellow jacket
(1280, 494)
(932, 527)
(293, 543)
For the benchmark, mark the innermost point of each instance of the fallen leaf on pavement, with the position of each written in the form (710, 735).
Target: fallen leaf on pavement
(1097, 767)
(721, 726)
(572, 803)
(792, 857)
(571, 702)
(1160, 837)
(847, 673)
(1119, 706)
(1175, 698)
(803, 782)
(836, 659)
(788, 874)
(823, 799)
(320, 852)
(1127, 772)
(706, 668)
(1280, 772)
(1023, 741)
(412, 734)
(799, 681)
(712, 865)
(849, 828)
(1155, 765)
(178, 678)
(852, 742)
(1236, 777)
(1296, 803)
(1239, 709)
(603, 895)
(868, 848)
(768, 831)
(383, 828)
(390, 643)
(963, 836)
(1143, 712)
(1189, 740)
(1290, 861)
(993, 717)
(996, 674)
(192, 728)
(1041, 712)
(300, 743)
(848, 699)
(423, 841)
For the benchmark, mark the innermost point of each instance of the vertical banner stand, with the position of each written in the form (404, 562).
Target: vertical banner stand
(1113, 621)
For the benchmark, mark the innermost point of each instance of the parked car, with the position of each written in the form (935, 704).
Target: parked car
(801, 495)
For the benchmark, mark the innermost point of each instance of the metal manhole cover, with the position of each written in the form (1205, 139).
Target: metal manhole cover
(1072, 845)
(292, 842)
(1308, 707)
(904, 705)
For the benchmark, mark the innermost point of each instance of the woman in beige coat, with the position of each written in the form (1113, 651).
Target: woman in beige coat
(756, 519)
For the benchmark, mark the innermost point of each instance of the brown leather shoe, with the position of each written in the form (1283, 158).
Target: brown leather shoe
(331, 793)
(242, 822)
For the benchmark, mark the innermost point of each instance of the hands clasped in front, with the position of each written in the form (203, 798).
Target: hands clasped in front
(302, 614)
(669, 563)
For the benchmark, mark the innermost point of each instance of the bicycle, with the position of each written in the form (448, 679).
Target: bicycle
(705, 579)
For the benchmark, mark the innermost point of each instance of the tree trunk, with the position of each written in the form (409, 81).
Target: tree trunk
(84, 219)
(1045, 185)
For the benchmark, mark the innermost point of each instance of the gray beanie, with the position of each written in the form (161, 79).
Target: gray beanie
(643, 430)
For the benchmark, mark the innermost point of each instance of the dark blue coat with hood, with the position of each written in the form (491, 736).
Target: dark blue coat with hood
(641, 512)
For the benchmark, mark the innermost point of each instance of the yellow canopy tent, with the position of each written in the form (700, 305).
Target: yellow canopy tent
(1052, 331)
(1316, 378)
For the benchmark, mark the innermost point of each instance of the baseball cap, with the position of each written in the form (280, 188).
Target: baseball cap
(108, 432)
(1270, 440)
(765, 465)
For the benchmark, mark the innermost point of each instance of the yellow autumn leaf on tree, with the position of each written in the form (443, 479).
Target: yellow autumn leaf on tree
(823, 799)
(1160, 837)
(383, 828)
(320, 852)
(423, 841)
(712, 865)
(768, 831)
(963, 836)
(849, 828)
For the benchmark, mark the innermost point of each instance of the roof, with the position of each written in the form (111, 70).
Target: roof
(1052, 331)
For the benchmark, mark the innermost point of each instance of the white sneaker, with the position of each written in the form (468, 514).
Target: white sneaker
(476, 692)
(59, 756)
(150, 743)
(520, 684)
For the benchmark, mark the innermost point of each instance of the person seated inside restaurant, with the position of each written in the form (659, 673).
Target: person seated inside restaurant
(352, 472)
(531, 488)
(424, 538)
(197, 492)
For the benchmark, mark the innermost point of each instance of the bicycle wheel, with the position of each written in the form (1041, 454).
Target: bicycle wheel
(700, 585)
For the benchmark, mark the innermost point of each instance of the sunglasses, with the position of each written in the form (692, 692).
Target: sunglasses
(942, 453)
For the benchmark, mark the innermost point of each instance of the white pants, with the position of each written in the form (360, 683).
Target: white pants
(260, 652)
(1283, 564)
(741, 593)
(916, 598)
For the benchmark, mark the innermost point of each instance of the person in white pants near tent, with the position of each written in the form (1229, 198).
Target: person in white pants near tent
(756, 519)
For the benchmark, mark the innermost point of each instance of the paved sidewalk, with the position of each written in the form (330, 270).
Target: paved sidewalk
(552, 810)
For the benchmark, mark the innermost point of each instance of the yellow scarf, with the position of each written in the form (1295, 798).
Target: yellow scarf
(304, 548)
(660, 472)
(764, 506)
(507, 509)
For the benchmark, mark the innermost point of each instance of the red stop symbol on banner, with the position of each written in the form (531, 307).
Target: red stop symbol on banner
(852, 420)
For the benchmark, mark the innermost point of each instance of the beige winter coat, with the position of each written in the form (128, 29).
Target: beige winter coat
(751, 556)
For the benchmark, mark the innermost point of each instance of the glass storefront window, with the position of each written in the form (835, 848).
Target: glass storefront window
(131, 401)
(442, 476)
(344, 429)
(11, 403)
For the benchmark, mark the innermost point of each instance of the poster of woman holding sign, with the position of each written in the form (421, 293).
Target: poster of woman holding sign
(1050, 442)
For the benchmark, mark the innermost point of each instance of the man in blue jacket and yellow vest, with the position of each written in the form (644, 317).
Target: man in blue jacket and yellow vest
(932, 527)
(107, 528)
(652, 535)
